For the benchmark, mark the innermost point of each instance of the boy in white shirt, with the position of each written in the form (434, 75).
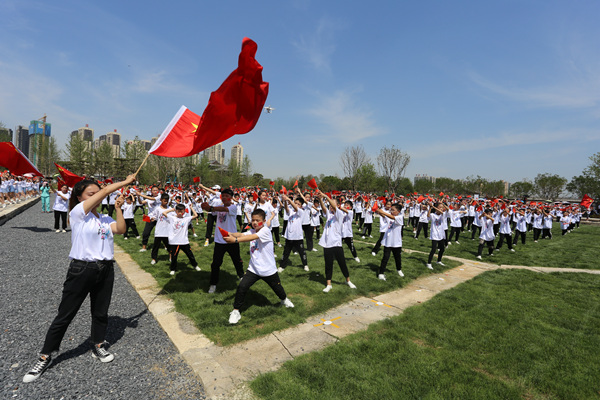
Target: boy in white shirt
(161, 233)
(178, 235)
(262, 262)
(392, 239)
(128, 208)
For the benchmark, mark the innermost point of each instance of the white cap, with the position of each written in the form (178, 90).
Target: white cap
(216, 187)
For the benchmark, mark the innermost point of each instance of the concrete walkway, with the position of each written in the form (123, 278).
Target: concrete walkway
(225, 370)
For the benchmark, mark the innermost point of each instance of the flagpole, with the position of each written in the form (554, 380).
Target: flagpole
(143, 162)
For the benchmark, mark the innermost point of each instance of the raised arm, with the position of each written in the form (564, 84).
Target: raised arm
(96, 199)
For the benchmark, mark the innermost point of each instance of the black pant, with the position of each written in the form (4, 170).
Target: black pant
(488, 243)
(463, 223)
(496, 229)
(156, 245)
(111, 209)
(287, 249)
(83, 278)
(517, 234)
(62, 216)
(175, 249)
(130, 224)
(546, 233)
(475, 231)
(378, 244)
(454, 230)
(318, 231)
(436, 245)
(250, 279)
(350, 243)
(536, 233)
(240, 221)
(210, 223)
(284, 226)
(425, 227)
(508, 238)
(470, 221)
(147, 231)
(233, 249)
(397, 252)
(275, 232)
(308, 234)
(367, 228)
(337, 253)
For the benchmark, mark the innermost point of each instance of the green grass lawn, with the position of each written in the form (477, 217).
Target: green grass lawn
(262, 313)
(506, 334)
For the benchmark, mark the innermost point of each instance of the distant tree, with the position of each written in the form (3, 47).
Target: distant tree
(392, 163)
(405, 186)
(589, 181)
(246, 171)
(493, 188)
(549, 186)
(49, 154)
(351, 160)
(521, 189)
(103, 158)
(423, 186)
(474, 184)
(366, 177)
(328, 183)
(4, 133)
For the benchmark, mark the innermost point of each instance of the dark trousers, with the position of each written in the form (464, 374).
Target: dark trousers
(367, 229)
(463, 223)
(284, 226)
(138, 208)
(233, 249)
(240, 221)
(496, 229)
(104, 208)
(435, 246)
(488, 243)
(454, 230)
(546, 233)
(475, 231)
(378, 244)
(425, 227)
(250, 279)
(508, 238)
(111, 209)
(287, 249)
(83, 278)
(147, 231)
(536, 233)
(318, 231)
(275, 231)
(156, 245)
(175, 249)
(517, 234)
(397, 252)
(130, 223)
(470, 222)
(308, 235)
(210, 223)
(350, 243)
(337, 254)
(60, 216)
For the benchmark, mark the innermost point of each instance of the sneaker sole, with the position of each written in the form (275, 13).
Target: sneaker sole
(105, 359)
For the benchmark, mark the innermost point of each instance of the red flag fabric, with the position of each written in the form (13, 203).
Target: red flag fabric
(146, 218)
(60, 183)
(255, 196)
(233, 109)
(224, 233)
(420, 199)
(271, 183)
(375, 207)
(296, 183)
(70, 178)
(441, 194)
(12, 159)
(284, 189)
(108, 180)
(196, 179)
(312, 183)
(586, 201)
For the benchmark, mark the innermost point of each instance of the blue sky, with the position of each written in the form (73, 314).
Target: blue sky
(505, 89)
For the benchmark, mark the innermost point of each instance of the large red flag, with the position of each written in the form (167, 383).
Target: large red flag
(12, 159)
(70, 178)
(586, 201)
(233, 109)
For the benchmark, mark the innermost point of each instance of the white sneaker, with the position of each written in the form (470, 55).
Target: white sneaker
(362, 237)
(195, 235)
(478, 257)
(306, 268)
(373, 254)
(429, 266)
(401, 273)
(278, 244)
(457, 242)
(513, 250)
(314, 249)
(295, 253)
(327, 288)
(206, 243)
(123, 238)
(64, 231)
(441, 263)
(152, 262)
(351, 285)
(172, 273)
(197, 268)
(449, 243)
(371, 236)
(142, 250)
(279, 269)
(286, 302)
(137, 237)
(357, 259)
(234, 317)
(381, 277)
(58, 231)
(212, 289)
(275, 255)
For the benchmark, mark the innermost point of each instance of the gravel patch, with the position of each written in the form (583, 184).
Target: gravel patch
(33, 267)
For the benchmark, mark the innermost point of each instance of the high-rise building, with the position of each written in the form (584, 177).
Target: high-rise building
(424, 177)
(215, 153)
(39, 131)
(237, 153)
(87, 135)
(146, 144)
(113, 139)
(21, 139)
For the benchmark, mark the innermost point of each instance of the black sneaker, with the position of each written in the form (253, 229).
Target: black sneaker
(101, 353)
(38, 369)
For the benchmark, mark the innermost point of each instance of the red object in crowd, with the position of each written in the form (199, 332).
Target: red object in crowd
(11, 158)
(146, 218)
(420, 199)
(312, 183)
(196, 179)
(296, 183)
(375, 207)
(224, 233)
(70, 178)
(255, 196)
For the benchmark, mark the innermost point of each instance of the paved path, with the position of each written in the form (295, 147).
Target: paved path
(33, 266)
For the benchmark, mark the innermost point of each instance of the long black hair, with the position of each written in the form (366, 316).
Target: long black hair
(78, 190)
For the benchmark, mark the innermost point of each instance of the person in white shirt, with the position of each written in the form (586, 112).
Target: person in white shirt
(347, 235)
(392, 240)
(456, 225)
(61, 207)
(383, 226)
(331, 240)
(504, 232)
(262, 262)
(275, 222)
(422, 216)
(486, 237)
(293, 232)
(226, 213)
(91, 270)
(214, 200)
(521, 227)
(178, 235)
(152, 202)
(128, 208)
(547, 227)
(565, 222)
(161, 233)
(438, 235)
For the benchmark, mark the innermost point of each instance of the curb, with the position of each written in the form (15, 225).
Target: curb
(8, 215)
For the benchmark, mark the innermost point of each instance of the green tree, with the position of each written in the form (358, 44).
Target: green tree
(423, 186)
(4, 133)
(246, 171)
(493, 188)
(351, 160)
(549, 186)
(392, 163)
(589, 181)
(405, 186)
(79, 154)
(366, 177)
(103, 159)
(134, 153)
(521, 189)
(49, 154)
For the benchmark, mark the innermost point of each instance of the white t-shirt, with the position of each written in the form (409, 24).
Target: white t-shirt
(60, 204)
(347, 224)
(455, 221)
(91, 236)
(225, 220)
(128, 210)
(162, 222)
(178, 234)
(437, 227)
(487, 229)
(262, 256)
(505, 224)
(152, 204)
(293, 230)
(393, 234)
(332, 230)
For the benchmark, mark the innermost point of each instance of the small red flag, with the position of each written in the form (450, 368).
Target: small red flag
(255, 196)
(70, 178)
(61, 183)
(271, 183)
(375, 207)
(108, 180)
(12, 159)
(296, 183)
(441, 194)
(146, 218)
(284, 189)
(196, 179)
(420, 199)
(233, 109)
(312, 183)
(224, 233)
(586, 201)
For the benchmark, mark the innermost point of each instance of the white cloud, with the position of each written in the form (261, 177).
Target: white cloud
(318, 46)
